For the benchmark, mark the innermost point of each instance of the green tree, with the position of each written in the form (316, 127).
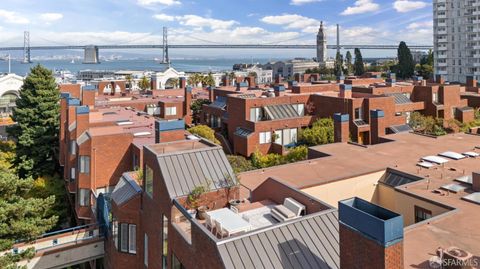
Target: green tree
(321, 132)
(196, 108)
(338, 66)
(144, 83)
(173, 82)
(129, 80)
(348, 63)
(208, 80)
(359, 66)
(406, 65)
(240, 164)
(194, 79)
(37, 113)
(205, 132)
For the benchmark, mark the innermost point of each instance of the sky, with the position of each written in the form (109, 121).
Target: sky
(81, 22)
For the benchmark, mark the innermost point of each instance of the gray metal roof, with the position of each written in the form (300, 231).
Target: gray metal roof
(396, 178)
(243, 132)
(400, 98)
(125, 190)
(282, 111)
(220, 102)
(183, 171)
(310, 242)
(360, 122)
(401, 128)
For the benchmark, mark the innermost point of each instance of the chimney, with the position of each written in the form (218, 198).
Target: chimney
(377, 125)
(292, 83)
(183, 82)
(187, 102)
(297, 77)
(226, 81)
(439, 79)
(72, 103)
(370, 236)
(88, 95)
(278, 79)
(314, 77)
(72, 89)
(279, 90)
(471, 81)
(346, 91)
(82, 118)
(306, 77)
(476, 181)
(341, 127)
(251, 81)
(423, 83)
(168, 131)
(211, 93)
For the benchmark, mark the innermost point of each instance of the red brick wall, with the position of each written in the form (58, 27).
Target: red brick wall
(357, 251)
(73, 89)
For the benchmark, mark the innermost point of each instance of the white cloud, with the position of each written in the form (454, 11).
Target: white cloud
(163, 17)
(293, 21)
(12, 17)
(160, 2)
(417, 25)
(51, 17)
(197, 21)
(361, 6)
(407, 5)
(302, 2)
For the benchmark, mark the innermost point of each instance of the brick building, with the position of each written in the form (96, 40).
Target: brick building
(251, 117)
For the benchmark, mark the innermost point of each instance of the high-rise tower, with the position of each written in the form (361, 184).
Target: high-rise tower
(321, 45)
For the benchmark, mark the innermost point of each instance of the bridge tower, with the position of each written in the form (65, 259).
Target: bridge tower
(90, 55)
(26, 47)
(165, 59)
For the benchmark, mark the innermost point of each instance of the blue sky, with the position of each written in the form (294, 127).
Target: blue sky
(214, 21)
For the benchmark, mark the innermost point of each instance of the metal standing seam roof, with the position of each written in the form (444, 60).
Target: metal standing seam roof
(220, 102)
(125, 190)
(360, 122)
(310, 242)
(400, 98)
(246, 96)
(282, 111)
(183, 171)
(243, 132)
(396, 178)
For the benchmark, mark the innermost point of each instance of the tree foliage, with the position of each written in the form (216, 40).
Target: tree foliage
(144, 83)
(321, 132)
(359, 66)
(427, 124)
(205, 132)
(240, 164)
(338, 66)
(196, 108)
(425, 67)
(37, 116)
(406, 65)
(348, 63)
(208, 80)
(295, 154)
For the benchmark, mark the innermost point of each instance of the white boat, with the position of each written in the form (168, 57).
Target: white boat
(73, 61)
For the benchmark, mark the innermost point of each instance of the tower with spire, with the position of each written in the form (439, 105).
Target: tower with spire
(321, 45)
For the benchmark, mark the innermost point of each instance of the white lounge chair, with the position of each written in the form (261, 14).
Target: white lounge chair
(290, 209)
(219, 229)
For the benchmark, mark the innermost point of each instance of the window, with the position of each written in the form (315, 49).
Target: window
(286, 136)
(124, 237)
(115, 233)
(407, 94)
(422, 214)
(136, 162)
(145, 250)
(165, 241)
(84, 164)
(215, 122)
(435, 97)
(84, 197)
(171, 111)
(132, 238)
(300, 108)
(278, 137)
(265, 137)
(359, 113)
(256, 114)
(73, 147)
(72, 174)
(148, 181)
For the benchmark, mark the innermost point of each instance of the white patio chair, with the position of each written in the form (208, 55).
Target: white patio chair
(219, 230)
(209, 223)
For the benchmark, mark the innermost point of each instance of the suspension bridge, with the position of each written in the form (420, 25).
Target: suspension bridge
(91, 52)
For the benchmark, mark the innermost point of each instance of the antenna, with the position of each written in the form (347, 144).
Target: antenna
(26, 47)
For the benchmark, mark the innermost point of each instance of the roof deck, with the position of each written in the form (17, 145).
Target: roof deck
(180, 146)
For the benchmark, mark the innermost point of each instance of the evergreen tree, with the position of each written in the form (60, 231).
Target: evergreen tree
(406, 65)
(37, 117)
(338, 66)
(359, 67)
(348, 63)
(144, 83)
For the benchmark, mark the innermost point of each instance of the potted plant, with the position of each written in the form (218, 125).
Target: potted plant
(193, 200)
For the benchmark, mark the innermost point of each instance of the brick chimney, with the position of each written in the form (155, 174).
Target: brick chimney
(168, 131)
(292, 83)
(370, 236)
(345, 91)
(211, 94)
(377, 125)
(88, 95)
(476, 181)
(279, 90)
(471, 81)
(278, 79)
(439, 79)
(183, 82)
(297, 77)
(341, 127)
(82, 118)
(251, 81)
(72, 89)
(186, 105)
(226, 81)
